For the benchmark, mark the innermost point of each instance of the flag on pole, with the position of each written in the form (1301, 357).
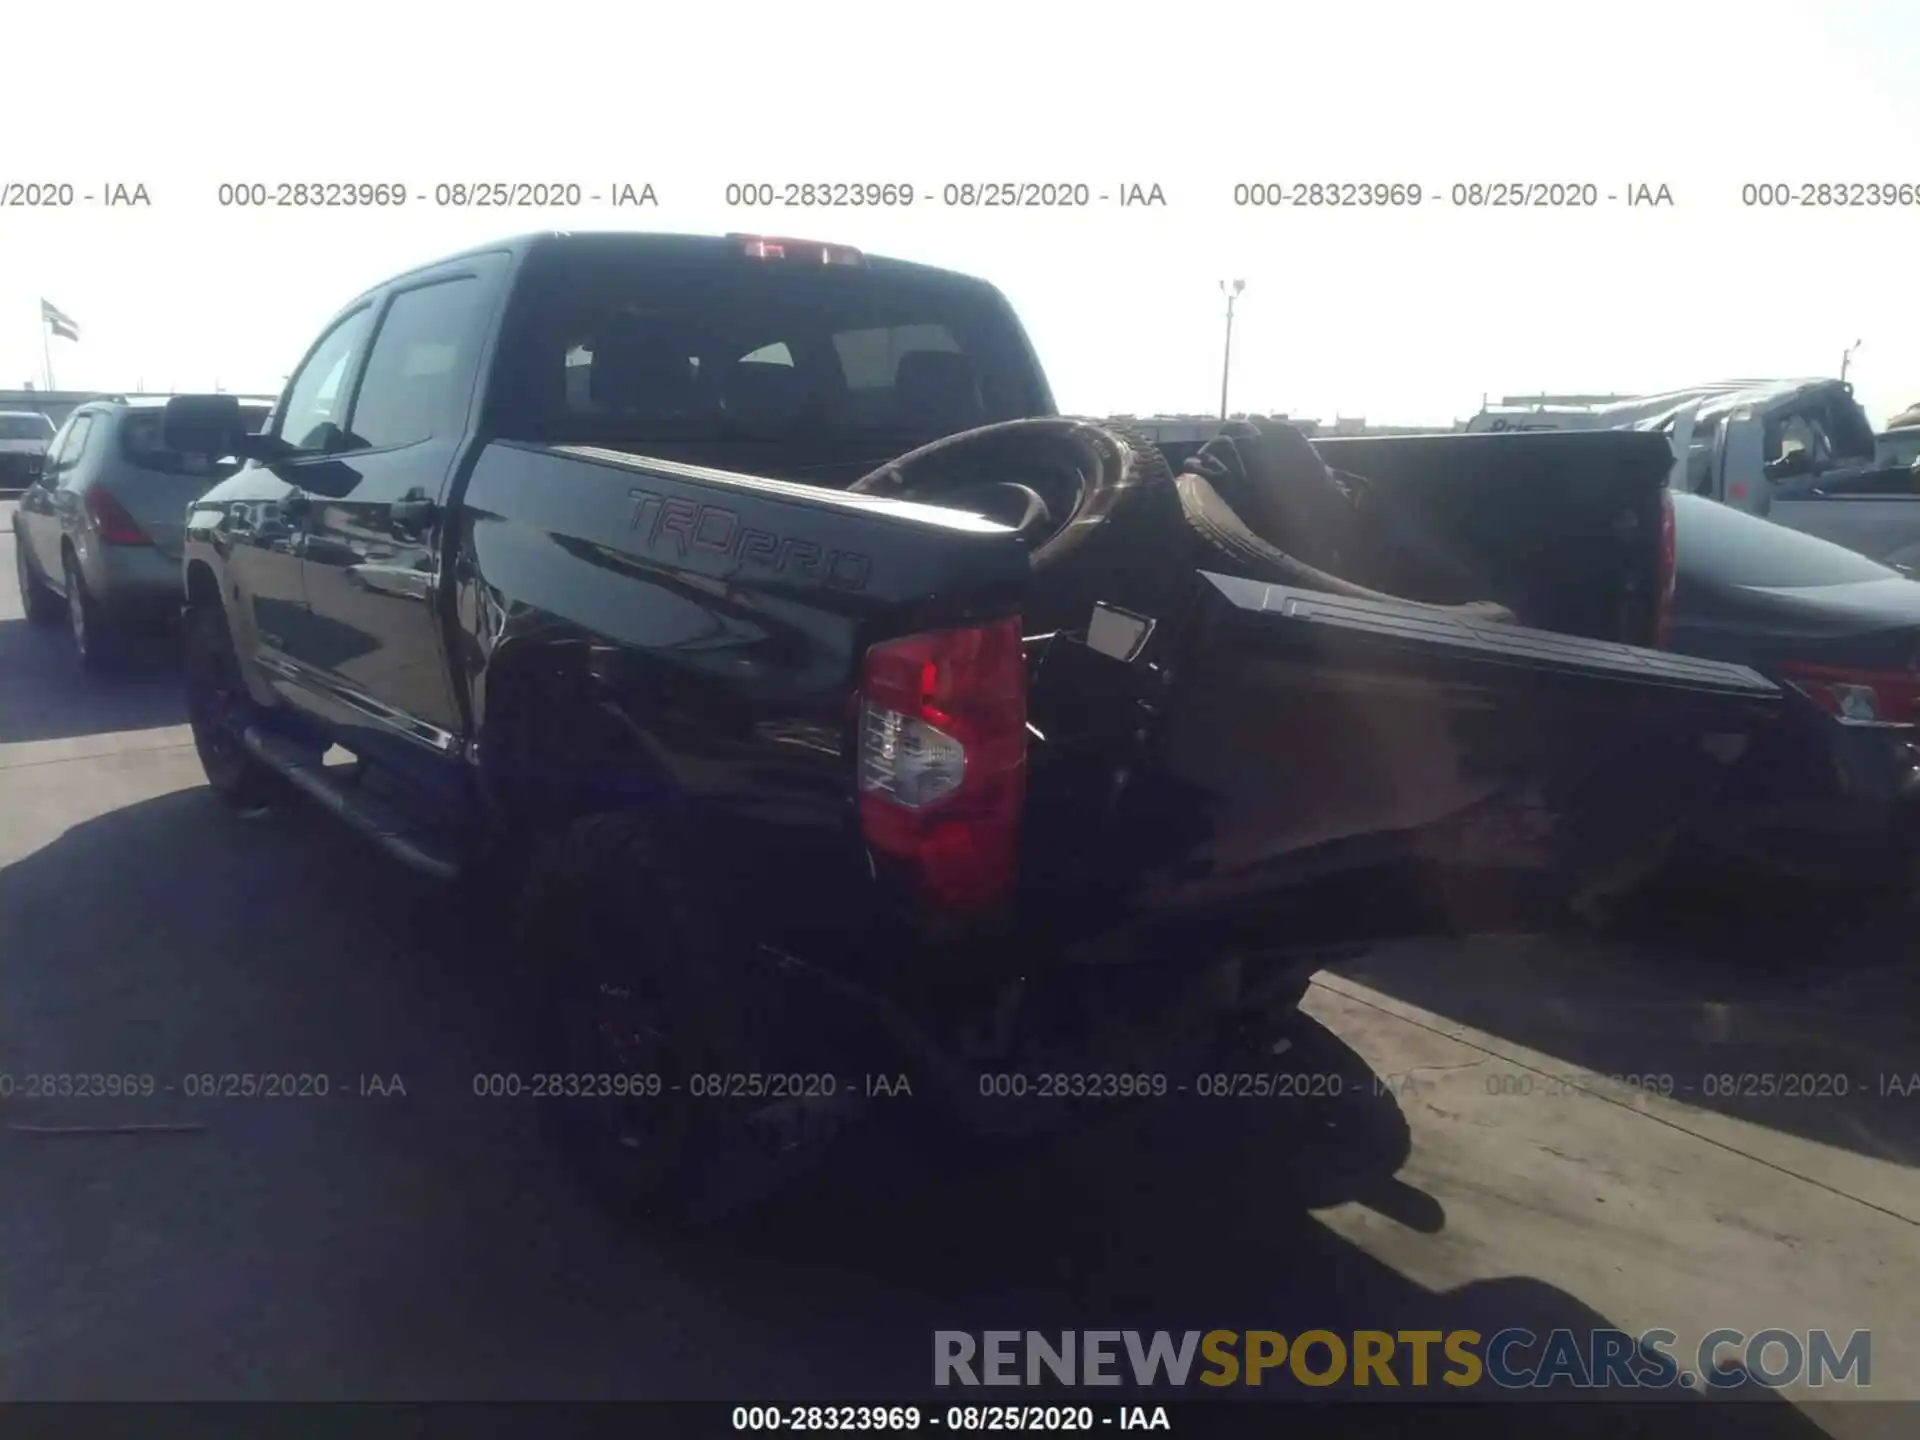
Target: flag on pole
(58, 321)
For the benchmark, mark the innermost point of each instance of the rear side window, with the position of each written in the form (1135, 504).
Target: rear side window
(142, 447)
(1846, 429)
(417, 380)
(719, 345)
(1898, 449)
(1723, 546)
(72, 448)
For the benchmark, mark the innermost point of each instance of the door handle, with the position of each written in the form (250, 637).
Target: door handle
(412, 514)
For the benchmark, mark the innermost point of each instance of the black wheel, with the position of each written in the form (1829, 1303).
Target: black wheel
(95, 640)
(1283, 1004)
(42, 606)
(217, 709)
(637, 984)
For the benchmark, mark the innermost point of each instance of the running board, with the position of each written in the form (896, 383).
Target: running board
(379, 820)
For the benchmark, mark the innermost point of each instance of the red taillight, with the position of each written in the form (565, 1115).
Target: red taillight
(1669, 572)
(943, 760)
(111, 522)
(806, 252)
(1859, 697)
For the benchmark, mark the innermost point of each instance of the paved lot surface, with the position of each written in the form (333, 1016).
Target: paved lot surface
(428, 1246)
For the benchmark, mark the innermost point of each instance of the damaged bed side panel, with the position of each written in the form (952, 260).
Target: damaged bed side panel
(1279, 737)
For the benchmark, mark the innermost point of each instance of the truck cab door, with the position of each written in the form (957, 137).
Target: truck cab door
(372, 562)
(266, 506)
(1809, 489)
(1873, 512)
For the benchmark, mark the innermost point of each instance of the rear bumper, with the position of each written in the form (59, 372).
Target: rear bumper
(1842, 809)
(1877, 769)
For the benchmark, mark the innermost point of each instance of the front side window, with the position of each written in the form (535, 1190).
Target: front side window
(313, 421)
(1793, 435)
(73, 446)
(416, 385)
(56, 453)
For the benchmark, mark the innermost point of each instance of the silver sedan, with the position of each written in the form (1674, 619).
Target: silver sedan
(97, 536)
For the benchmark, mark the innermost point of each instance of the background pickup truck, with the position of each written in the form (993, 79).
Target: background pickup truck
(552, 568)
(1800, 453)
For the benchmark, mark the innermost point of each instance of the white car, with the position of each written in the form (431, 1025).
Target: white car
(24, 437)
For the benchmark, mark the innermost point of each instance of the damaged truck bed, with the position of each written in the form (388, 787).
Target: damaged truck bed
(799, 758)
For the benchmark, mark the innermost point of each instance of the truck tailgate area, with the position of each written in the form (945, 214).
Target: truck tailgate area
(1304, 733)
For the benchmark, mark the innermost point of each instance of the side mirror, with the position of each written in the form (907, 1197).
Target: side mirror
(211, 425)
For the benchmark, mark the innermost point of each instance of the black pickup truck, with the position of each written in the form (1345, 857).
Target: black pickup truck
(585, 564)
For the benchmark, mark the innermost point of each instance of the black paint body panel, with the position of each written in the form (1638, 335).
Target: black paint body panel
(515, 633)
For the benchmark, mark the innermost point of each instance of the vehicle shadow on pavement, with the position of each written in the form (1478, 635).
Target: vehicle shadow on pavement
(368, 1243)
(1789, 944)
(47, 697)
(1773, 1010)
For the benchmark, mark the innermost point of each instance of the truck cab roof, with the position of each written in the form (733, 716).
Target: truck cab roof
(670, 246)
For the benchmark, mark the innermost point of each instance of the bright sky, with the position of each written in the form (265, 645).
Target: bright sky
(1403, 316)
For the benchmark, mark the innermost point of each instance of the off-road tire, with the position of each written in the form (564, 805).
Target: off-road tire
(217, 710)
(608, 924)
(97, 640)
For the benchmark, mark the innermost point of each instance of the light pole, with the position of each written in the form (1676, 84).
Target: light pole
(1846, 358)
(1232, 291)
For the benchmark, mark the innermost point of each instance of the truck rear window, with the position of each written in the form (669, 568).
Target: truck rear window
(722, 346)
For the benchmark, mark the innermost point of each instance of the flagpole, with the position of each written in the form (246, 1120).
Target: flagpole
(46, 349)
